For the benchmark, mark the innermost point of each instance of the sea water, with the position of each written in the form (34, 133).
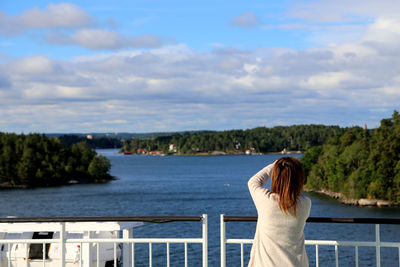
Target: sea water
(192, 186)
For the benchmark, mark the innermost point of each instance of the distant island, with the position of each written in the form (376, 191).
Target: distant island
(358, 166)
(36, 160)
(284, 139)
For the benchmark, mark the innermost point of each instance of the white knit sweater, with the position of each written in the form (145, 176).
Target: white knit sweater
(279, 237)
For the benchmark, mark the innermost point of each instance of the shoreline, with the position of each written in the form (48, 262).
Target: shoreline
(219, 153)
(7, 186)
(362, 202)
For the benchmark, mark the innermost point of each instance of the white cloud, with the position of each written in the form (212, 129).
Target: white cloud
(329, 80)
(114, 121)
(246, 20)
(176, 88)
(68, 24)
(250, 68)
(383, 30)
(327, 11)
(61, 15)
(338, 22)
(33, 65)
(98, 39)
(102, 39)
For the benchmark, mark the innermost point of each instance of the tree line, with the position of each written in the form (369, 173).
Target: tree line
(258, 140)
(36, 160)
(95, 142)
(358, 163)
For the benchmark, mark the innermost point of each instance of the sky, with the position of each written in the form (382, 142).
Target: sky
(174, 65)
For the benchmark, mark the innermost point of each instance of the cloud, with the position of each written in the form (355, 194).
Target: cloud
(68, 24)
(4, 80)
(327, 11)
(101, 39)
(246, 20)
(33, 65)
(383, 30)
(177, 88)
(61, 15)
(328, 22)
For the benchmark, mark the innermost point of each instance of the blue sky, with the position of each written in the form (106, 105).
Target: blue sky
(144, 66)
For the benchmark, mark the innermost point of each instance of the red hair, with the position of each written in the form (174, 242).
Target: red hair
(287, 181)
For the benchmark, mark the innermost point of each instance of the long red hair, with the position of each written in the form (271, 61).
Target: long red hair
(287, 181)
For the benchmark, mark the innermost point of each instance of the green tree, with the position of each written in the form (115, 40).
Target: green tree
(99, 167)
(358, 163)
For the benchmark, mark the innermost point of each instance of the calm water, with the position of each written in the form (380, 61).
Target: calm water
(193, 186)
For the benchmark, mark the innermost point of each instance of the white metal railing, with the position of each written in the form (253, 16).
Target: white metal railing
(356, 244)
(89, 247)
(88, 244)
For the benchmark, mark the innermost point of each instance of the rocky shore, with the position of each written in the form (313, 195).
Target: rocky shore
(355, 202)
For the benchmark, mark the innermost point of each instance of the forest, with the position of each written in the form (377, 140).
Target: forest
(257, 140)
(96, 142)
(358, 163)
(36, 160)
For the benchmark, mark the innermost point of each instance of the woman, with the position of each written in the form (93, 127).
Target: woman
(282, 214)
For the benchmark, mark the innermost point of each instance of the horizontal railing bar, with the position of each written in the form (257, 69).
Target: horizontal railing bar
(327, 243)
(30, 241)
(238, 241)
(104, 240)
(322, 220)
(354, 220)
(151, 219)
(165, 219)
(353, 243)
(137, 240)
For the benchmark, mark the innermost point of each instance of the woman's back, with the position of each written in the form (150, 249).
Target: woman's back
(285, 226)
(279, 237)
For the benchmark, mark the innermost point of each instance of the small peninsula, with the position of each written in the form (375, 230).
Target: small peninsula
(36, 160)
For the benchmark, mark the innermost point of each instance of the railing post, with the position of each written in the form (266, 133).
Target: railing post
(9, 255)
(223, 239)
(62, 244)
(357, 256)
(205, 240)
(337, 255)
(127, 247)
(26, 254)
(378, 245)
(86, 250)
(399, 256)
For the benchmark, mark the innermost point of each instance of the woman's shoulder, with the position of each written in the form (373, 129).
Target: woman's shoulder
(304, 199)
(269, 195)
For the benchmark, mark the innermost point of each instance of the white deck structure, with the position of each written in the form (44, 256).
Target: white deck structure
(41, 243)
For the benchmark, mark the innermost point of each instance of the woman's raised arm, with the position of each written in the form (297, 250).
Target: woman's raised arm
(257, 182)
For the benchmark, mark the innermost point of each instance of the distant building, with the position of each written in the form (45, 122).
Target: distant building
(172, 148)
(365, 127)
(156, 153)
(141, 151)
(236, 144)
(89, 136)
